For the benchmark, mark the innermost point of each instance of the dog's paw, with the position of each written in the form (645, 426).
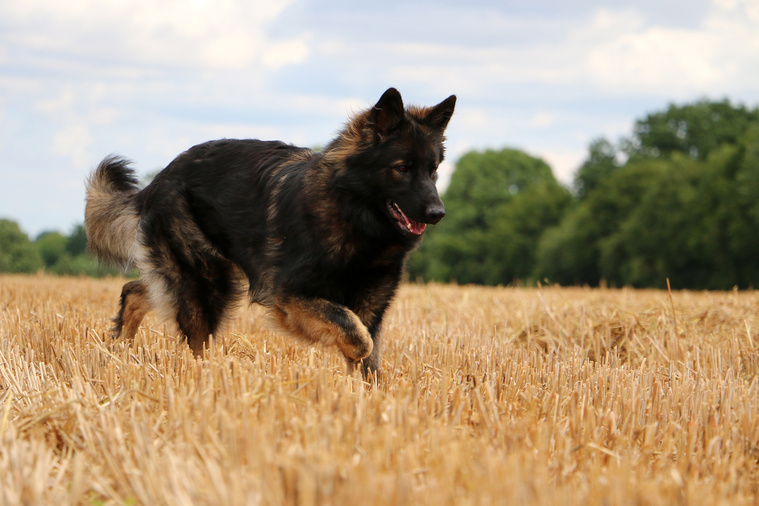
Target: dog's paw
(356, 343)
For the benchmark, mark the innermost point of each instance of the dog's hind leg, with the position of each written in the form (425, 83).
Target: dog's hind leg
(204, 298)
(135, 303)
(193, 324)
(190, 281)
(177, 296)
(322, 321)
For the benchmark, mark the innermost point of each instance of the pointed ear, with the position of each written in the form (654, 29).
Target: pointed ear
(439, 115)
(387, 113)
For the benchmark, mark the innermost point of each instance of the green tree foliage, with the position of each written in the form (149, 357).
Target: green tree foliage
(498, 205)
(491, 178)
(694, 130)
(17, 253)
(76, 243)
(747, 175)
(683, 207)
(744, 231)
(601, 163)
(83, 265)
(76, 261)
(52, 251)
(51, 246)
(678, 199)
(574, 252)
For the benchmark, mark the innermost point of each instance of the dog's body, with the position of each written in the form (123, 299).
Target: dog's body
(320, 238)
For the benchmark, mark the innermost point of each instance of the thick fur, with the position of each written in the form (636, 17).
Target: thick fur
(320, 238)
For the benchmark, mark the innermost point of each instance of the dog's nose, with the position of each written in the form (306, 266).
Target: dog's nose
(434, 213)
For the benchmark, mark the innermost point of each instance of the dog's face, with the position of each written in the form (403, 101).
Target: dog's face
(399, 163)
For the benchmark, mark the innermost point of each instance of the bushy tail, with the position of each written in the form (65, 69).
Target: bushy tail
(110, 215)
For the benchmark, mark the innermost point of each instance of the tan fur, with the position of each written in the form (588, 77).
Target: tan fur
(136, 306)
(111, 221)
(157, 292)
(153, 276)
(353, 139)
(307, 318)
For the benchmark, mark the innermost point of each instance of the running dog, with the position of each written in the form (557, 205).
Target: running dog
(318, 237)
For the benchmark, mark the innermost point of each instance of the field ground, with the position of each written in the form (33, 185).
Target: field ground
(489, 396)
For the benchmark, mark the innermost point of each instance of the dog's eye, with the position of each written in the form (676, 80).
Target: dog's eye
(402, 167)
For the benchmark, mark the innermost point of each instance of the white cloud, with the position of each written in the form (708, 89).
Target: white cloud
(58, 108)
(224, 34)
(657, 59)
(748, 8)
(286, 53)
(84, 78)
(718, 56)
(73, 142)
(82, 106)
(236, 50)
(541, 119)
(479, 119)
(614, 50)
(564, 162)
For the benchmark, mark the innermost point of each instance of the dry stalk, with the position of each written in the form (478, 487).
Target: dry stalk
(488, 396)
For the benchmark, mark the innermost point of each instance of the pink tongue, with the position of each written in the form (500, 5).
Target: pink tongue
(416, 227)
(404, 221)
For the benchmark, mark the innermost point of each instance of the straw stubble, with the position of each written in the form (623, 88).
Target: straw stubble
(488, 395)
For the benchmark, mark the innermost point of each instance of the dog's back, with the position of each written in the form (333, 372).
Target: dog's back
(194, 233)
(224, 188)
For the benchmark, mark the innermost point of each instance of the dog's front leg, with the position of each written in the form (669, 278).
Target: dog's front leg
(322, 321)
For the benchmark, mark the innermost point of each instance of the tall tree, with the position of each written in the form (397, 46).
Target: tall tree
(601, 163)
(17, 253)
(76, 243)
(694, 129)
(51, 246)
(483, 180)
(498, 204)
(518, 227)
(571, 252)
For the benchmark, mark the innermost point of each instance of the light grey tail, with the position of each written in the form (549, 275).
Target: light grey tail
(110, 215)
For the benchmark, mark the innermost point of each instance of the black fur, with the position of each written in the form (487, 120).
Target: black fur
(320, 237)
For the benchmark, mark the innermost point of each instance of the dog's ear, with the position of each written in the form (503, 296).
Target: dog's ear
(440, 115)
(388, 113)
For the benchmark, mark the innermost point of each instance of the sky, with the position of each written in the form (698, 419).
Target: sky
(147, 79)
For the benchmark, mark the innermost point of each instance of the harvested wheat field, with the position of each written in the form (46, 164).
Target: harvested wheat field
(489, 396)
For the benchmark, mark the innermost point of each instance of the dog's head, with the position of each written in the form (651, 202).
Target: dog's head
(391, 156)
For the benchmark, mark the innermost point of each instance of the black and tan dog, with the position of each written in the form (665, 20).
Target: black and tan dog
(320, 238)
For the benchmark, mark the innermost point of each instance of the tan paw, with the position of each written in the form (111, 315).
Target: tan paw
(357, 343)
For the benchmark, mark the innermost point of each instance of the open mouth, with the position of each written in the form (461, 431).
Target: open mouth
(406, 223)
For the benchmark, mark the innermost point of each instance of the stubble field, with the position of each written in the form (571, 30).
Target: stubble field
(489, 396)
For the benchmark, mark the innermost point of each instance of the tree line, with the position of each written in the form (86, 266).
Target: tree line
(677, 199)
(52, 252)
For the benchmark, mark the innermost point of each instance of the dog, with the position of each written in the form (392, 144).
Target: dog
(318, 237)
